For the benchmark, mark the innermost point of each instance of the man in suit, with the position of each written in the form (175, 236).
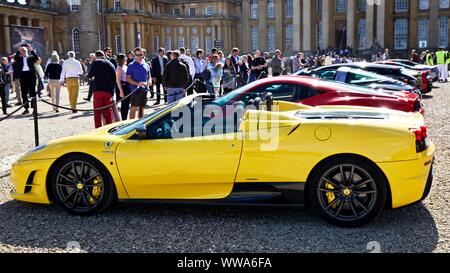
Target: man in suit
(158, 65)
(25, 59)
(235, 58)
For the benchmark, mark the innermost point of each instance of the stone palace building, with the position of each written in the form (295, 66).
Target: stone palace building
(289, 25)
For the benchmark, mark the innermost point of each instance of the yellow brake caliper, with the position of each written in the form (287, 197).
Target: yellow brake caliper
(96, 191)
(330, 195)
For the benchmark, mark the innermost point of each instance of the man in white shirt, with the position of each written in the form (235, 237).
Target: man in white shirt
(385, 56)
(189, 61)
(70, 74)
(200, 66)
(191, 65)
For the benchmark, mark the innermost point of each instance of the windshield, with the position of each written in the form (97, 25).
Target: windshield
(232, 96)
(405, 65)
(127, 128)
(370, 75)
(352, 88)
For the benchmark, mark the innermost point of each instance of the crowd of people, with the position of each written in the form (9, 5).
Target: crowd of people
(171, 74)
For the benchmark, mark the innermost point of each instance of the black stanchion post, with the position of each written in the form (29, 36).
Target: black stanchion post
(36, 126)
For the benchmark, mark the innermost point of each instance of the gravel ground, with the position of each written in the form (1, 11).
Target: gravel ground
(24, 227)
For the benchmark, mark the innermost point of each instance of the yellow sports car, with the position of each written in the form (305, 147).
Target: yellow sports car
(348, 163)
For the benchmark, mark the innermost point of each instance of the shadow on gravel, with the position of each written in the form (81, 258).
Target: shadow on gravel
(82, 115)
(158, 228)
(427, 97)
(52, 115)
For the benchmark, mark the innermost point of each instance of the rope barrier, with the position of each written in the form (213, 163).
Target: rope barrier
(237, 78)
(95, 109)
(184, 90)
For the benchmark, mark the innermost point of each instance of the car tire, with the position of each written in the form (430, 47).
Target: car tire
(82, 185)
(350, 202)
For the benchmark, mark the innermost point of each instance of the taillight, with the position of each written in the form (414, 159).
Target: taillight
(421, 138)
(424, 131)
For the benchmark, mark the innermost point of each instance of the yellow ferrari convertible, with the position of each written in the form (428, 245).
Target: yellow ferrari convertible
(348, 163)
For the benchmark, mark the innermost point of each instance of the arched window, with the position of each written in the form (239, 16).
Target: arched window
(76, 40)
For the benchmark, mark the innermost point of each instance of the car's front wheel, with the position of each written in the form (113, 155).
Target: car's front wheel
(82, 185)
(347, 192)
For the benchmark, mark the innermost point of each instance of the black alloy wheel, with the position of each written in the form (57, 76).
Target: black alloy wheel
(348, 192)
(82, 186)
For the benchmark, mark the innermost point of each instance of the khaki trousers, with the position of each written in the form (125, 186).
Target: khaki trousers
(55, 88)
(16, 88)
(73, 86)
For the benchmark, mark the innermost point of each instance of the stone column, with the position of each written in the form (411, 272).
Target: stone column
(262, 26)
(351, 11)
(219, 32)
(144, 37)
(7, 41)
(307, 28)
(326, 23)
(246, 25)
(88, 27)
(122, 37)
(201, 39)
(297, 24)
(138, 32)
(187, 41)
(381, 22)
(369, 26)
(279, 27)
(150, 40)
(108, 34)
(29, 22)
(434, 24)
(131, 36)
(175, 38)
(413, 24)
(51, 38)
(214, 37)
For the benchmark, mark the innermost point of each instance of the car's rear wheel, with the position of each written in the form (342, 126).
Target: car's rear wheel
(348, 192)
(82, 185)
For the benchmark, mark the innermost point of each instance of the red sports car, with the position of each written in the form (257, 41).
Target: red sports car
(314, 92)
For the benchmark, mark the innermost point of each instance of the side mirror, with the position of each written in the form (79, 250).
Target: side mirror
(141, 132)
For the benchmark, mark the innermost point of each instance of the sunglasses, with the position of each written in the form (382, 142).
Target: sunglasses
(139, 55)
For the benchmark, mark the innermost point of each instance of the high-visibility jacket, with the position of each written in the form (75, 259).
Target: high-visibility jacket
(429, 59)
(441, 57)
